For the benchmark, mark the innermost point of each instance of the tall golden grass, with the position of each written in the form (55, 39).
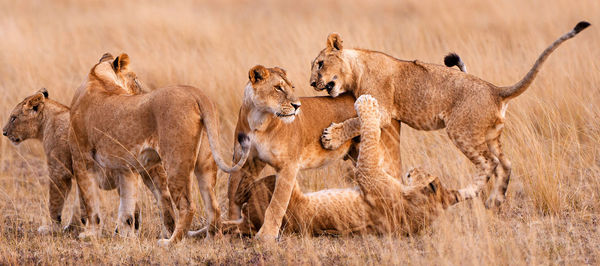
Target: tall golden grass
(552, 132)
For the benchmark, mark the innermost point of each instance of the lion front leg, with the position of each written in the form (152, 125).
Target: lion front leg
(128, 188)
(79, 214)
(337, 133)
(155, 180)
(279, 203)
(89, 195)
(58, 190)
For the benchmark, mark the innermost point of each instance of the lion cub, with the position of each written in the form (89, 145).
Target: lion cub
(428, 97)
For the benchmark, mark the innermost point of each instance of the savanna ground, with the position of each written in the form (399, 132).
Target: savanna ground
(552, 132)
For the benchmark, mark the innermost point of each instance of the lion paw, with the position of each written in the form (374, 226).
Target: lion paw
(125, 232)
(89, 234)
(48, 229)
(494, 201)
(203, 232)
(366, 107)
(165, 243)
(331, 138)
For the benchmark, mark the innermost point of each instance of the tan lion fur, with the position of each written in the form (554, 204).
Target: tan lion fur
(380, 204)
(287, 138)
(124, 132)
(39, 117)
(428, 97)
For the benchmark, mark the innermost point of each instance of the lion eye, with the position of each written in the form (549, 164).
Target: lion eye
(13, 118)
(279, 88)
(320, 64)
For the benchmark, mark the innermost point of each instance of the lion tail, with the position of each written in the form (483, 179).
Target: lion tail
(523, 84)
(452, 59)
(209, 117)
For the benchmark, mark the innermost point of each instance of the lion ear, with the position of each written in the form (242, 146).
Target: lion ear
(257, 74)
(279, 69)
(35, 102)
(334, 42)
(121, 63)
(106, 57)
(43, 91)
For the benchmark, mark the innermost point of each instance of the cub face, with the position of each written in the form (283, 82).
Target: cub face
(273, 93)
(329, 71)
(26, 118)
(432, 188)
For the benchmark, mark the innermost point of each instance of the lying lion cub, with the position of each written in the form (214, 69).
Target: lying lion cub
(284, 131)
(38, 117)
(428, 97)
(380, 203)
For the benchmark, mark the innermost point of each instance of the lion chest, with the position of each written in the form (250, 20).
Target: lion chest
(271, 150)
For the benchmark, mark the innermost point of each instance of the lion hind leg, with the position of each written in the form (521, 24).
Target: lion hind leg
(206, 174)
(477, 151)
(181, 191)
(155, 179)
(498, 194)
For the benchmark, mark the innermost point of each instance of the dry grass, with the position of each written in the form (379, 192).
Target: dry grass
(552, 136)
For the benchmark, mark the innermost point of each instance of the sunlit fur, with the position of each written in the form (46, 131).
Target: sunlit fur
(165, 125)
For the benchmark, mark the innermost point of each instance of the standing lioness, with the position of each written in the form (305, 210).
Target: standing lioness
(120, 132)
(427, 97)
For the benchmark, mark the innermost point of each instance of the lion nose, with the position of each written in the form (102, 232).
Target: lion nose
(296, 106)
(329, 86)
(4, 133)
(313, 84)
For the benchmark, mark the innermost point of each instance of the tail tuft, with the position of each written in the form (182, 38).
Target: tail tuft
(581, 26)
(244, 140)
(451, 60)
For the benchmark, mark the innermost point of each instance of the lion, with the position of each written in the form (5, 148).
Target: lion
(380, 204)
(284, 131)
(428, 97)
(39, 117)
(125, 133)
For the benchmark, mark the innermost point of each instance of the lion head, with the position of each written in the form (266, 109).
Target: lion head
(115, 75)
(26, 118)
(271, 92)
(432, 188)
(330, 70)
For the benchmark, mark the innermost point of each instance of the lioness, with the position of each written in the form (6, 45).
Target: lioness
(285, 135)
(427, 97)
(132, 132)
(380, 203)
(39, 117)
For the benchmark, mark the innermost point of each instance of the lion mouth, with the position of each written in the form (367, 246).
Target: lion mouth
(284, 115)
(15, 140)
